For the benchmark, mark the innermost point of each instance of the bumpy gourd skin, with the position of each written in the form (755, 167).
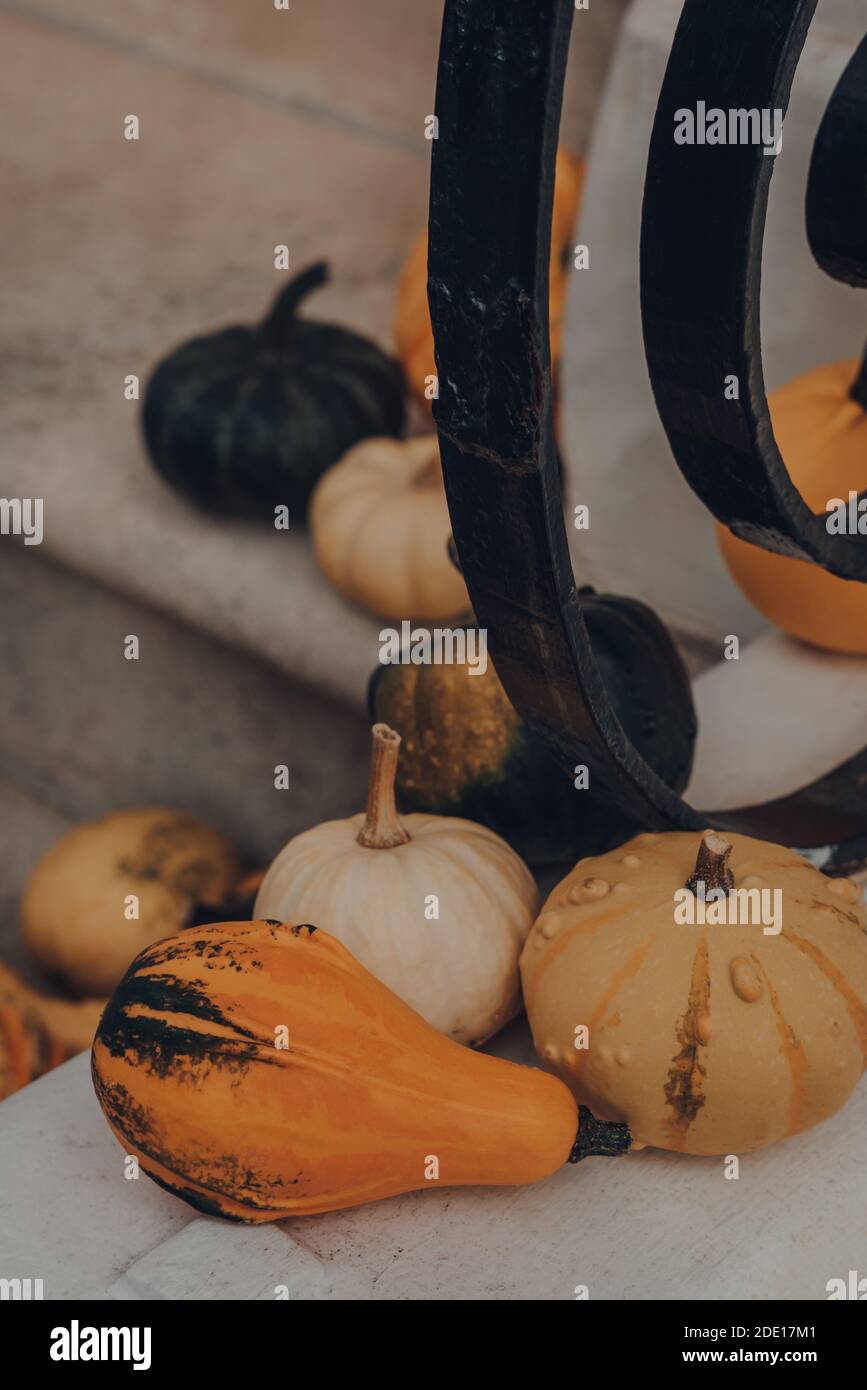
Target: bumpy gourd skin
(704, 1039)
(363, 1102)
(467, 753)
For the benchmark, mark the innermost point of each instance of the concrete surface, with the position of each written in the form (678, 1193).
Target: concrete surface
(648, 1226)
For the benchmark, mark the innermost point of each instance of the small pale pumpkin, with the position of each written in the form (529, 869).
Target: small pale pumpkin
(111, 886)
(364, 1100)
(706, 1039)
(438, 908)
(412, 325)
(380, 526)
(820, 424)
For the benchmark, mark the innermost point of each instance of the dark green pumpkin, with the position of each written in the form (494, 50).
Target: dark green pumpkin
(248, 419)
(465, 752)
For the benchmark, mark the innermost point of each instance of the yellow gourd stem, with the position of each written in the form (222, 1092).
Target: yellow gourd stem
(858, 390)
(382, 828)
(711, 865)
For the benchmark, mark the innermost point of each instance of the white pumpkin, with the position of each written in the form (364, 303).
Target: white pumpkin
(438, 908)
(380, 526)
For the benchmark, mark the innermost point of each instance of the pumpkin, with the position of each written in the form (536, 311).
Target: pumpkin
(365, 1100)
(70, 1025)
(246, 419)
(376, 880)
(466, 752)
(820, 423)
(705, 1039)
(380, 527)
(27, 1049)
(78, 903)
(412, 325)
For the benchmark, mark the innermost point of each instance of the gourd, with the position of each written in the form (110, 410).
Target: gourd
(69, 1025)
(704, 1039)
(364, 1101)
(111, 886)
(412, 325)
(820, 423)
(437, 908)
(380, 527)
(27, 1050)
(246, 419)
(466, 752)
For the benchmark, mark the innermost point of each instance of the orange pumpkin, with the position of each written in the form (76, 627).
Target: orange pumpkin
(27, 1049)
(259, 1072)
(412, 326)
(820, 422)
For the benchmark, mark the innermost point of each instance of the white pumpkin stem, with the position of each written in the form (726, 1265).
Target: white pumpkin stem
(382, 828)
(711, 865)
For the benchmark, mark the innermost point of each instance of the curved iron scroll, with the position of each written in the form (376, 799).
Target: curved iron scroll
(701, 265)
(837, 186)
(499, 93)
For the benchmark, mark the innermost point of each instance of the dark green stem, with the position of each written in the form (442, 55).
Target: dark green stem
(277, 325)
(599, 1138)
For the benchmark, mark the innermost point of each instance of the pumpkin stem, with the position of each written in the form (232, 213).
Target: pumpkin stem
(711, 865)
(278, 322)
(382, 828)
(599, 1138)
(858, 390)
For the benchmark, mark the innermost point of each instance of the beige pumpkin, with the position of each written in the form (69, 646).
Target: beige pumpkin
(437, 908)
(706, 1039)
(380, 527)
(79, 903)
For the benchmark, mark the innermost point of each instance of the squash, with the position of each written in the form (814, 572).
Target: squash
(437, 908)
(412, 325)
(27, 1050)
(259, 1072)
(78, 902)
(246, 419)
(380, 527)
(69, 1024)
(820, 423)
(467, 753)
(704, 1039)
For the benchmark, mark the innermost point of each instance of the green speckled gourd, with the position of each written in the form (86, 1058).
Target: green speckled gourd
(467, 753)
(248, 419)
